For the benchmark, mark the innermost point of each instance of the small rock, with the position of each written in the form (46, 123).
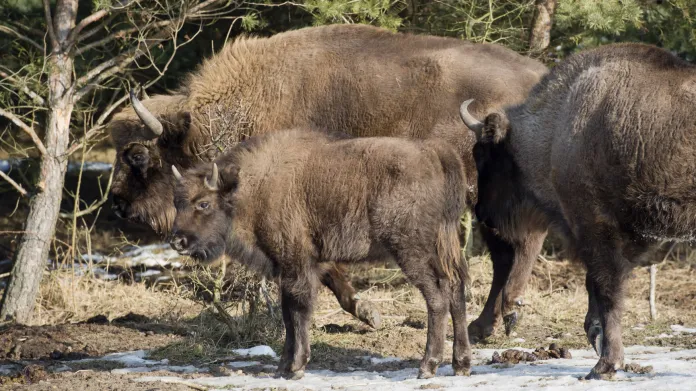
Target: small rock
(639, 369)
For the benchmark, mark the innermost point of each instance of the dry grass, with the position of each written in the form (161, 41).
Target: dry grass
(65, 298)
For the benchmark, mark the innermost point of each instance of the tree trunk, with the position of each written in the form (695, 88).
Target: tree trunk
(20, 295)
(540, 33)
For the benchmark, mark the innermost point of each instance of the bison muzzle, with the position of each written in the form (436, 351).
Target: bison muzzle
(291, 203)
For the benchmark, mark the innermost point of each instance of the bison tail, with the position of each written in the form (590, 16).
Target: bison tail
(448, 241)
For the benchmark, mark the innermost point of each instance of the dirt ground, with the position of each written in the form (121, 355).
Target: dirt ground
(52, 356)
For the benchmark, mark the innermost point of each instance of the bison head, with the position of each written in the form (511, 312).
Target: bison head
(149, 138)
(204, 211)
(498, 175)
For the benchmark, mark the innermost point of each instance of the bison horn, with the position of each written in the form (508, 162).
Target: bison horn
(212, 184)
(150, 121)
(177, 174)
(469, 120)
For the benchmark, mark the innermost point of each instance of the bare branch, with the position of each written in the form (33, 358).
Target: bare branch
(26, 129)
(9, 30)
(94, 206)
(49, 24)
(84, 23)
(119, 34)
(37, 99)
(14, 184)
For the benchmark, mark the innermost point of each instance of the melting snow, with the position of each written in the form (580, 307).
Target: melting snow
(681, 329)
(242, 364)
(377, 360)
(261, 350)
(674, 370)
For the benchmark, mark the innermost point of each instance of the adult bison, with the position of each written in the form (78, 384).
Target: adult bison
(359, 79)
(604, 149)
(286, 203)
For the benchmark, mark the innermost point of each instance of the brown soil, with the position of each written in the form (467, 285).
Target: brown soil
(77, 341)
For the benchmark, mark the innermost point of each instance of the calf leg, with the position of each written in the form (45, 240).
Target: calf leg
(297, 298)
(607, 271)
(336, 279)
(461, 351)
(437, 302)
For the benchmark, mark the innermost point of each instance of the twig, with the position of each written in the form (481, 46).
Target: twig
(653, 278)
(37, 99)
(23, 37)
(93, 207)
(26, 129)
(5, 275)
(14, 184)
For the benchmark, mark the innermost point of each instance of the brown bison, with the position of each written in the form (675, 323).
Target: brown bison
(604, 150)
(359, 79)
(287, 203)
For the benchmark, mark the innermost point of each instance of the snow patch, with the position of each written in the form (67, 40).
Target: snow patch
(674, 370)
(261, 350)
(681, 329)
(242, 364)
(378, 360)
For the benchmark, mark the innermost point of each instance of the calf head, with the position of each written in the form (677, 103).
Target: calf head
(204, 211)
(146, 146)
(498, 187)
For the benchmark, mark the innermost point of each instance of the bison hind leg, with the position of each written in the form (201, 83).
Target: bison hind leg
(461, 350)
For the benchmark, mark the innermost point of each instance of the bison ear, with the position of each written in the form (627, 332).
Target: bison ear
(229, 178)
(495, 128)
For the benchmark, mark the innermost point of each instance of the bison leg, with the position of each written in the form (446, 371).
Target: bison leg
(593, 324)
(336, 279)
(607, 270)
(512, 267)
(461, 350)
(502, 255)
(297, 298)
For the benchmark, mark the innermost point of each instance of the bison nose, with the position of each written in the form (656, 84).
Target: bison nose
(120, 207)
(178, 243)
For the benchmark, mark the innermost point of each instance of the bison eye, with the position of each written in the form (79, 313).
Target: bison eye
(203, 205)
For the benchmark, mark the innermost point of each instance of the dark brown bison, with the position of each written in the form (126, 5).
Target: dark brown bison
(362, 80)
(604, 150)
(287, 203)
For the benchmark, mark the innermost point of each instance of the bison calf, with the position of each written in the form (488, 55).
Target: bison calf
(604, 150)
(291, 203)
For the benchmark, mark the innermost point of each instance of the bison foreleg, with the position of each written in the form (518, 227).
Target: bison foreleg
(593, 324)
(336, 279)
(297, 298)
(607, 270)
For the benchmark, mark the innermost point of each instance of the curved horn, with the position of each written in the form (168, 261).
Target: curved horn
(177, 174)
(469, 120)
(212, 184)
(150, 121)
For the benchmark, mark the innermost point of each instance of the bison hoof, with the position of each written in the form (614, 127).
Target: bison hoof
(463, 371)
(602, 371)
(369, 315)
(478, 331)
(595, 334)
(428, 368)
(296, 375)
(510, 321)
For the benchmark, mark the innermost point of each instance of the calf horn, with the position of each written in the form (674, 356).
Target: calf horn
(469, 120)
(177, 174)
(213, 183)
(150, 121)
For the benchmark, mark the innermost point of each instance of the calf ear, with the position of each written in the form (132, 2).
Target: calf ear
(495, 128)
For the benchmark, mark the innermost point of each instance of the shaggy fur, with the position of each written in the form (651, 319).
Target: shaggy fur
(359, 79)
(292, 202)
(604, 150)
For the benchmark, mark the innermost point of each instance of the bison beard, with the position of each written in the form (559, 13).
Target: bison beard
(603, 150)
(292, 203)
